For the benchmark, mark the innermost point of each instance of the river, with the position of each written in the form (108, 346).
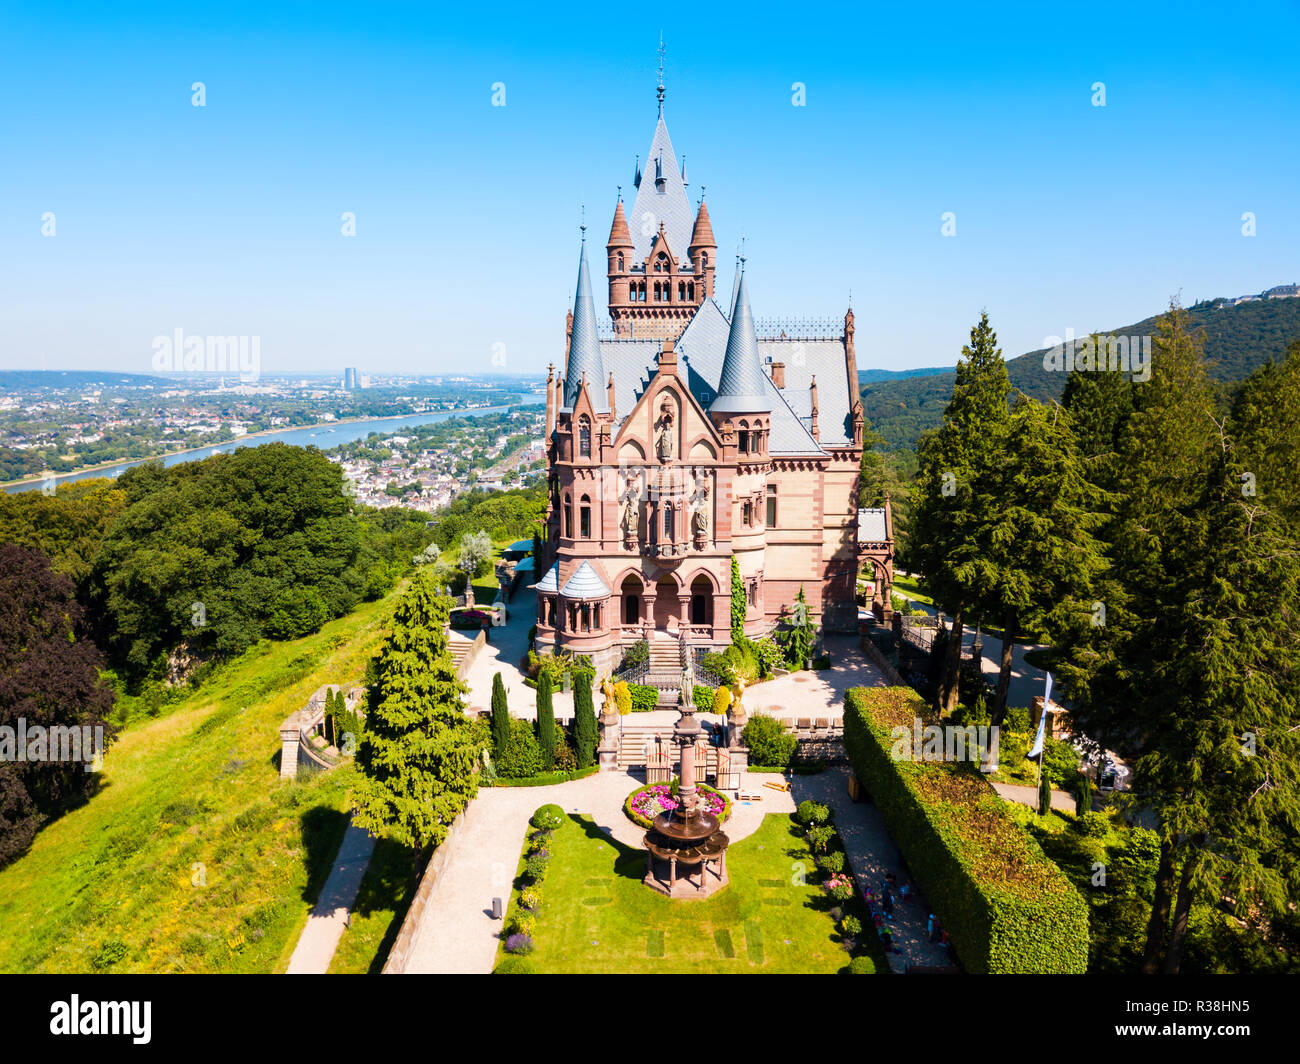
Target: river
(322, 436)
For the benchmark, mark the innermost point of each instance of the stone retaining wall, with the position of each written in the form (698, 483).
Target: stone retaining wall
(399, 956)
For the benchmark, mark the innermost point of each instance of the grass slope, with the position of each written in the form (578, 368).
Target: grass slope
(114, 885)
(597, 916)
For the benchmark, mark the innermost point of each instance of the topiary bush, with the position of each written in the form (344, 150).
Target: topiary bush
(862, 966)
(831, 862)
(1005, 905)
(548, 817)
(769, 743)
(623, 698)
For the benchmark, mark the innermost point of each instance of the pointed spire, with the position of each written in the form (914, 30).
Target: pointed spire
(702, 234)
(743, 387)
(661, 74)
(619, 234)
(584, 348)
(636, 180)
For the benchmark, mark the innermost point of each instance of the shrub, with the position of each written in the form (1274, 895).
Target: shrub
(810, 813)
(519, 943)
(851, 926)
(1092, 825)
(530, 898)
(623, 698)
(831, 862)
(722, 700)
(702, 696)
(522, 756)
(535, 866)
(820, 836)
(862, 966)
(769, 743)
(839, 887)
(1005, 905)
(565, 761)
(644, 698)
(548, 817)
(803, 813)
(637, 654)
(722, 666)
(768, 655)
(1016, 720)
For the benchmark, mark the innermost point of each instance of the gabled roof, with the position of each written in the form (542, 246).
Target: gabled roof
(700, 350)
(585, 584)
(584, 346)
(664, 201)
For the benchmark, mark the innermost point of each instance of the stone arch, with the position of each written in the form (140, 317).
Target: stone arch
(701, 447)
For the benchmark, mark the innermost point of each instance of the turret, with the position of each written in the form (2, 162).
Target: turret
(703, 253)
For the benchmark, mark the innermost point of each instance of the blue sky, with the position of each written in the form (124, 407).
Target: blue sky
(225, 219)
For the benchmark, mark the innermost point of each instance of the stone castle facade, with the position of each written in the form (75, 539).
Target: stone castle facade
(686, 440)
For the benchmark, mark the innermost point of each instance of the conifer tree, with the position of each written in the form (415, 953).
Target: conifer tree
(500, 717)
(545, 720)
(417, 758)
(585, 732)
(946, 540)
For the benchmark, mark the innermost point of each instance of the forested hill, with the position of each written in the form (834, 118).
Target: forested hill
(1238, 339)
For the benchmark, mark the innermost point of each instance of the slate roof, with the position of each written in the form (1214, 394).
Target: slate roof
(701, 349)
(669, 206)
(584, 346)
(871, 523)
(740, 385)
(550, 583)
(585, 584)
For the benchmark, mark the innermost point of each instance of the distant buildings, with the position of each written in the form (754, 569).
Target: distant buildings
(351, 379)
(1281, 291)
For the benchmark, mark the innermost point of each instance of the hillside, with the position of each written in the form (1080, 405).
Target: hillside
(1238, 339)
(112, 885)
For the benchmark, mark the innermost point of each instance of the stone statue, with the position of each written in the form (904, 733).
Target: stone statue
(609, 711)
(629, 517)
(688, 684)
(664, 440)
(700, 517)
(737, 710)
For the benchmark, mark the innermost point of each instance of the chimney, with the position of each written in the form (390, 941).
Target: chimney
(778, 374)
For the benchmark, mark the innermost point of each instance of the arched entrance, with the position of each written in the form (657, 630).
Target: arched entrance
(631, 595)
(701, 601)
(667, 607)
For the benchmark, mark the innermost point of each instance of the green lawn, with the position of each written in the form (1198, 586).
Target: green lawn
(194, 856)
(909, 586)
(597, 916)
(378, 913)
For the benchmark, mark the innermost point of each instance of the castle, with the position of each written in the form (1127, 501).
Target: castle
(685, 440)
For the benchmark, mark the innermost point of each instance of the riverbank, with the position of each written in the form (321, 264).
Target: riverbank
(171, 457)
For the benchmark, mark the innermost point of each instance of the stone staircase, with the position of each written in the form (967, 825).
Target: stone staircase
(634, 738)
(664, 671)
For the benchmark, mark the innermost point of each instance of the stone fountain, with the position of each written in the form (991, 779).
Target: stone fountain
(686, 853)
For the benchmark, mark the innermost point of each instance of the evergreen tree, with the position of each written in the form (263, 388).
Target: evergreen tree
(500, 717)
(1044, 794)
(418, 755)
(738, 604)
(585, 732)
(803, 634)
(1039, 556)
(545, 720)
(948, 509)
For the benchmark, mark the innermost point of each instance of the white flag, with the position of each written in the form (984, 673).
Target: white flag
(1037, 748)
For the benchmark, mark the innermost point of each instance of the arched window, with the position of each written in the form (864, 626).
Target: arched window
(620, 262)
(681, 291)
(747, 513)
(690, 291)
(742, 437)
(584, 437)
(568, 516)
(584, 518)
(771, 506)
(668, 521)
(631, 293)
(704, 260)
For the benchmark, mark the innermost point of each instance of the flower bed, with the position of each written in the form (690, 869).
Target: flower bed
(646, 803)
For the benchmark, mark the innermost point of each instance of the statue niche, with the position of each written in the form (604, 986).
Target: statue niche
(700, 513)
(664, 443)
(629, 520)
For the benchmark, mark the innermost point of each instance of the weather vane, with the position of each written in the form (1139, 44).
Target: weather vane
(661, 72)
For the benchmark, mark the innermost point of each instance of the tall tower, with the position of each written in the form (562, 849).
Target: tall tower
(663, 256)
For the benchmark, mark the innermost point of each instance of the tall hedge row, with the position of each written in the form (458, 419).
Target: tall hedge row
(1005, 905)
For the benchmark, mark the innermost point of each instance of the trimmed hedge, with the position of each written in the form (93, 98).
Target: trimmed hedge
(546, 779)
(1005, 905)
(644, 697)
